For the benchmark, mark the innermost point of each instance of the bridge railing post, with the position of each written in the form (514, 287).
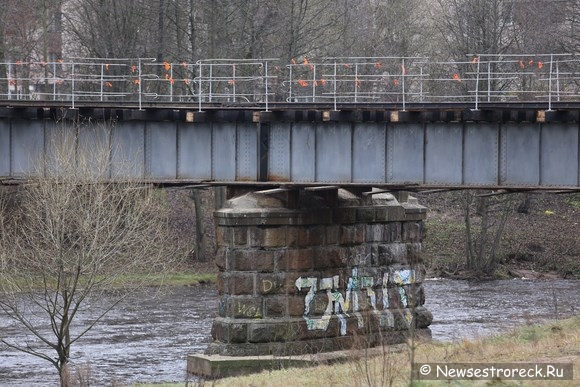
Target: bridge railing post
(170, 83)
(403, 76)
(102, 83)
(54, 81)
(558, 80)
(488, 81)
(199, 84)
(356, 82)
(289, 98)
(72, 91)
(550, 83)
(209, 82)
(233, 82)
(9, 80)
(334, 82)
(266, 89)
(420, 83)
(476, 58)
(140, 84)
(266, 80)
(313, 82)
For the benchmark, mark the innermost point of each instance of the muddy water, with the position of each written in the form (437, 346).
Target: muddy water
(467, 309)
(148, 338)
(145, 339)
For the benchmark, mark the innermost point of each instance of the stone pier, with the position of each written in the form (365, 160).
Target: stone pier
(316, 270)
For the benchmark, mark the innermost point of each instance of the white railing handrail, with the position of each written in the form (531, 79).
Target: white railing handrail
(479, 78)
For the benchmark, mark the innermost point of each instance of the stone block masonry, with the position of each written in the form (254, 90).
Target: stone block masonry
(317, 276)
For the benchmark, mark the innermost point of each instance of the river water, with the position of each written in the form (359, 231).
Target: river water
(148, 337)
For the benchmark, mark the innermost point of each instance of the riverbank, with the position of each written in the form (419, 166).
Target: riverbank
(552, 342)
(540, 238)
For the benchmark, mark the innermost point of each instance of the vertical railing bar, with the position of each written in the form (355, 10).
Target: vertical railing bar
(335, 81)
(488, 81)
(290, 84)
(234, 82)
(356, 82)
(140, 86)
(54, 81)
(421, 83)
(558, 79)
(266, 85)
(210, 80)
(10, 79)
(403, 81)
(550, 83)
(73, 84)
(171, 82)
(199, 86)
(313, 83)
(102, 79)
(477, 84)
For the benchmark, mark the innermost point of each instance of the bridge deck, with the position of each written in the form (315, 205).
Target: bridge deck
(516, 146)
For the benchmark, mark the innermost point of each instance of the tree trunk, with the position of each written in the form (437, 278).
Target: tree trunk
(200, 234)
(469, 252)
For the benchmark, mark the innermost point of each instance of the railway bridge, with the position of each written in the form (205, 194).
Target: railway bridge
(319, 240)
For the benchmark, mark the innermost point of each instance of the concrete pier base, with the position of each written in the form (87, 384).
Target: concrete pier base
(217, 366)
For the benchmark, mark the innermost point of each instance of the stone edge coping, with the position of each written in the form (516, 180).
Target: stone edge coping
(355, 214)
(219, 366)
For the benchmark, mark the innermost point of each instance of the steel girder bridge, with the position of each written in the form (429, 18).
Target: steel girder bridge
(495, 122)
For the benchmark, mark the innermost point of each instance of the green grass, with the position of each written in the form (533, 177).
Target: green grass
(180, 278)
(189, 278)
(573, 201)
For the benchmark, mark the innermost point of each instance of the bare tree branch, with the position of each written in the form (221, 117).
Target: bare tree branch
(74, 237)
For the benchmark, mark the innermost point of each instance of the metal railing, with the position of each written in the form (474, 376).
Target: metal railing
(400, 80)
(340, 80)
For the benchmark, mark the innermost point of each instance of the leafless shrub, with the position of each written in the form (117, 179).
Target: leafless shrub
(79, 234)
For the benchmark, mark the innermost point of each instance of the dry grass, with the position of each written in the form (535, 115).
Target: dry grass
(557, 342)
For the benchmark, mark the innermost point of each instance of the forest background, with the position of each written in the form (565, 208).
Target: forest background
(185, 31)
(189, 30)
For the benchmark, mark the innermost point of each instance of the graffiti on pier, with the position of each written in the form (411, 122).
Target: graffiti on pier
(350, 304)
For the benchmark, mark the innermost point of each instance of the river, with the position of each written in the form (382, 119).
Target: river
(148, 337)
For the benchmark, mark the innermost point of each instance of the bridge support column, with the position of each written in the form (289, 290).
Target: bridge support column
(318, 277)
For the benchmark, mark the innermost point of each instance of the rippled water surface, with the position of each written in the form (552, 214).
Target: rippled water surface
(147, 338)
(468, 309)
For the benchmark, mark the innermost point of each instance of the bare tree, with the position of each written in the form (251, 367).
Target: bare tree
(568, 13)
(180, 16)
(3, 70)
(382, 28)
(75, 236)
(305, 28)
(535, 34)
(495, 37)
(112, 29)
(473, 26)
(30, 35)
(256, 28)
(483, 237)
